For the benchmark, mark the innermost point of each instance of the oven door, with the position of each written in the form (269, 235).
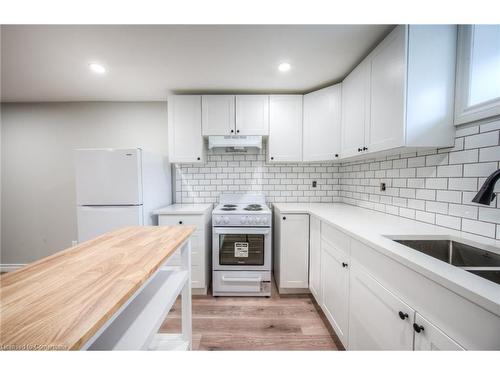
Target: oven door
(241, 248)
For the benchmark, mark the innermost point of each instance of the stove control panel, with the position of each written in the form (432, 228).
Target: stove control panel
(241, 220)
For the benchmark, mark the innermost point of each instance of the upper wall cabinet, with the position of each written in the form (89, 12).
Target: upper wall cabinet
(322, 121)
(252, 115)
(285, 128)
(401, 96)
(355, 109)
(185, 142)
(217, 114)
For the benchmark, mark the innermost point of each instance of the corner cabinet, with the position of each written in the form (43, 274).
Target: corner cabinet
(398, 98)
(322, 122)
(291, 252)
(285, 128)
(185, 141)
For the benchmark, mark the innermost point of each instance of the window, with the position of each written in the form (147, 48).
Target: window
(478, 73)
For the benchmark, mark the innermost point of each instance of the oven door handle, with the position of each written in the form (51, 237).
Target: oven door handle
(242, 279)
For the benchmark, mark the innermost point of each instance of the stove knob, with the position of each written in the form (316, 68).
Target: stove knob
(257, 220)
(226, 220)
(264, 220)
(217, 220)
(242, 220)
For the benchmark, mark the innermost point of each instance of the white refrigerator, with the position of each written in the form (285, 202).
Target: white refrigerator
(119, 187)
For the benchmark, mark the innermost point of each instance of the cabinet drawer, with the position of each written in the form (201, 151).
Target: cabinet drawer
(241, 282)
(183, 220)
(335, 237)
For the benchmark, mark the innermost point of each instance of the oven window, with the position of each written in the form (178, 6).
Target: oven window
(241, 249)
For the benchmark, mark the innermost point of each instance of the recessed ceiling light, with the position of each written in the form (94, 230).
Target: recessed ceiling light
(97, 68)
(284, 67)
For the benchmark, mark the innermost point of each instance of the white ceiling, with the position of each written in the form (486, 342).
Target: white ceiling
(50, 63)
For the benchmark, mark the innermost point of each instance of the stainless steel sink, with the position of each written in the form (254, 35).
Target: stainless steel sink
(479, 261)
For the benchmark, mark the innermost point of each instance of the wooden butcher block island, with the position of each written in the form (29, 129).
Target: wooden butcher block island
(112, 292)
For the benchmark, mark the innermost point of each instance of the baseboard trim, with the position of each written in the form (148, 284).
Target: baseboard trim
(10, 267)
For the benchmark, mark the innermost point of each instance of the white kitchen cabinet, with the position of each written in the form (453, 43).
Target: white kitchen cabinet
(285, 128)
(430, 337)
(291, 252)
(387, 93)
(322, 124)
(335, 288)
(218, 116)
(355, 109)
(315, 258)
(185, 141)
(378, 320)
(199, 215)
(252, 115)
(408, 97)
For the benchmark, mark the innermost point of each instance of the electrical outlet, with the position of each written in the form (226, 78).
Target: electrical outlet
(315, 184)
(74, 243)
(382, 186)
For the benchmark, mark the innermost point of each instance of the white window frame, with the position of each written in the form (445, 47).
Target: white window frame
(465, 113)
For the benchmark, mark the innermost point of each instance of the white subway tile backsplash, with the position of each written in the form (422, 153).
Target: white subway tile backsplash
(463, 211)
(432, 186)
(461, 157)
(488, 214)
(489, 154)
(478, 227)
(482, 140)
(448, 221)
(480, 169)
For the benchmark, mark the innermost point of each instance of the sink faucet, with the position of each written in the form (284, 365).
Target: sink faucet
(485, 195)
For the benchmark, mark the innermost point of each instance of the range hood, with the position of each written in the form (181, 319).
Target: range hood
(235, 142)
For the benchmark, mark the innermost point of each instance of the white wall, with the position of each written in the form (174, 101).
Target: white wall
(37, 143)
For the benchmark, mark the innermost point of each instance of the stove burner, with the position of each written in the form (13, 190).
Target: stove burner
(253, 208)
(229, 205)
(228, 209)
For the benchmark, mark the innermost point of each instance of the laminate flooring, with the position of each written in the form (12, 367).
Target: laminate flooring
(286, 322)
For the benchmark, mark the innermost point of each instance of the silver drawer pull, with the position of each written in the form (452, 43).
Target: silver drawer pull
(242, 279)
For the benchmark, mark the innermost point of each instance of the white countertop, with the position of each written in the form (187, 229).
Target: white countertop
(371, 227)
(184, 209)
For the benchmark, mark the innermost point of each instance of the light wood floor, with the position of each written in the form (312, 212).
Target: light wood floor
(256, 323)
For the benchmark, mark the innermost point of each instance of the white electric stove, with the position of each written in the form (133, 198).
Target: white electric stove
(242, 246)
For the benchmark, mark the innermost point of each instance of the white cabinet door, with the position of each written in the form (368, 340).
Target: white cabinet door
(374, 315)
(355, 109)
(252, 115)
(335, 287)
(185, 142)
(315, 258)
(387, 93)
(430, 337)
(217, 114)
(294, 251)
(322, 120)
(285, 128)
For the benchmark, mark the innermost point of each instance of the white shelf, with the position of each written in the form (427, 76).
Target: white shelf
(169, 341)
(136, 326)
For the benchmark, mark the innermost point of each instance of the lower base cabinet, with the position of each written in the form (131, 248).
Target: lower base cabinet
(378, 320)
(291, 252)
(429, 337)
(335, 288)
(374, 302)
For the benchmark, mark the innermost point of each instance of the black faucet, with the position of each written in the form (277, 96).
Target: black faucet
(485, 195)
